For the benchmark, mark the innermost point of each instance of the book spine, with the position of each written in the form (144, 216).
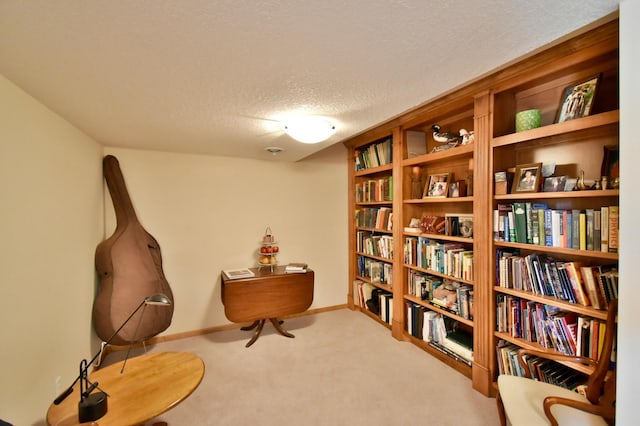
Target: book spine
(548, 229)
(529, 221)
(604, 229)
(613, 229)
(520, 218)
(589, 226)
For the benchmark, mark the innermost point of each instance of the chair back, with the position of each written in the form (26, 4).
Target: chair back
(599, 392)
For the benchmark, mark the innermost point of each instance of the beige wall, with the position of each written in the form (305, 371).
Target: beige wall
(50, 222)
(209, 214)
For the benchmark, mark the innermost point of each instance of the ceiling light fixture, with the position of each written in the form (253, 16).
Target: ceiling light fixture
(309, 129)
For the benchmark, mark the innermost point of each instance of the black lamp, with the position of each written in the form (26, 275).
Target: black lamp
(93, 406)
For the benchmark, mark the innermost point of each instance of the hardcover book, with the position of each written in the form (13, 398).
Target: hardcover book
(233, 274)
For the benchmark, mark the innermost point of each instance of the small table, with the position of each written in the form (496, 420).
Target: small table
(267, 295)
(150, 385)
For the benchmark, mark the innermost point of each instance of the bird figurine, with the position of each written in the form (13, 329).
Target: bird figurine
(445, 137)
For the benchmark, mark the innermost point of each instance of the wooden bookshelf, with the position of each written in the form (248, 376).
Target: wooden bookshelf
(488, 107)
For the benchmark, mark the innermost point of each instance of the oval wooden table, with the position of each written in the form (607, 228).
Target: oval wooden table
(150, 385)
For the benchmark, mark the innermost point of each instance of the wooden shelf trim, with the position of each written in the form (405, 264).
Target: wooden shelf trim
(557, 129)
(440, 237)
(550, 300)
(601, 255)
(380, 258)
(613, 193)
(429, 200)
(586, 369)
(381, 286)
(438, 309)
(460, 366)
(374, 170)
(374, 230)
(438, 274)
(447, 154)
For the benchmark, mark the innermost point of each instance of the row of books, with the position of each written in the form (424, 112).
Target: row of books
(374, 155)
(573, 281)
(373, 299)
(374, 245)
(440, 332)
(542, 369)
(445, 293)
(549, 326)
(375, 218)
(536, 223)
(374, 190)
(375, 271)
(449, 258)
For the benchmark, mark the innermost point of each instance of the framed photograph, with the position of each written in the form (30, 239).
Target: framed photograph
(555, 184)
(454, 189)
(577, 99)
(437, 186)
(527, 178)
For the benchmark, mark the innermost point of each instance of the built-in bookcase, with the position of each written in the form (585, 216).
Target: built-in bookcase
(501, 288)
(371, 231)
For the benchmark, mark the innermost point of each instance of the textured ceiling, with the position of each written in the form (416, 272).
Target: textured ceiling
(214, 77)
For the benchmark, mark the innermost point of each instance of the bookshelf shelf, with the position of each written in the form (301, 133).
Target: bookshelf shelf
(440, 237)
(487, 107)
(438, 309)
(374, 170)
(586, 369)
(549, 300)
(459, 151)
(560, 129)
(434, 200)
(614, 193)
(560, 251)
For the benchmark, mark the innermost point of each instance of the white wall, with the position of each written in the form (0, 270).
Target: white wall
(50, 222)
(628, 392)
(209, 213)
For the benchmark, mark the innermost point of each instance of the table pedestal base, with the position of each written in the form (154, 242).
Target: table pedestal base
(260, 324)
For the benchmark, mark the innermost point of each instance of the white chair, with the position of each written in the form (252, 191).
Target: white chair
(524, 401)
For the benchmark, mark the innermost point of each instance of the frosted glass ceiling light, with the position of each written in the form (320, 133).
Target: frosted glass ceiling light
(309, 129)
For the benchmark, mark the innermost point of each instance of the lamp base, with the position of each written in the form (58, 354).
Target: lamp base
(92, 407)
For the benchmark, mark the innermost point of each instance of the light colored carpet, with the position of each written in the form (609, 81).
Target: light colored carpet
(342, 368)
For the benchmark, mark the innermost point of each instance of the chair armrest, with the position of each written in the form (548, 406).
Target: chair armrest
(554, 356)
(599, 410)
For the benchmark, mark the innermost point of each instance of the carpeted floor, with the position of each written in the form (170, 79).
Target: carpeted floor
(342, 368)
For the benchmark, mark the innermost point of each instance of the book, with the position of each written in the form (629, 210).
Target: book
(604, 229)
(520, 218)
(589, 228)
(233, 274)
(593, 288)
(613, 229)
(295, 267)
(573, 270)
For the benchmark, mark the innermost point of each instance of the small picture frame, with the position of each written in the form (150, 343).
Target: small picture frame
(527, 178)
(454, 189)
(577, 99)
(555, 184)
(437, 186)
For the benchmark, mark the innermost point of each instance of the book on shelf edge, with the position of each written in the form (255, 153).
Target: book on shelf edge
(233, 274)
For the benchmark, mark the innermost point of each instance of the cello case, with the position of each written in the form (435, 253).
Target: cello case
(129, 267)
